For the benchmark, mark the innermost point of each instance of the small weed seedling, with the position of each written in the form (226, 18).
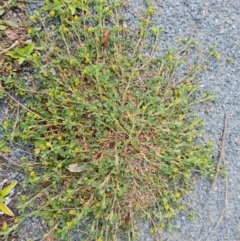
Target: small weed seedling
(111, 124)
(22, 54)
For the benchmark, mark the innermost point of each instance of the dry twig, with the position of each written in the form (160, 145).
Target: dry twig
(47, 235)
(9, 160)
(223, 208)
(221, 158)
(221, 155)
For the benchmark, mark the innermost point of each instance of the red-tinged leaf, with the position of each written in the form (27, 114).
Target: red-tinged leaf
(105, 37)
(11, 35)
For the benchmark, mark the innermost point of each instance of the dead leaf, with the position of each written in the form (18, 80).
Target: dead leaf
(105, 37)
(75, 168)
(11, 35)
(205, 12)
(53, 71)
(222, 30)
(37, 150)
(127, 220)
(6, 111)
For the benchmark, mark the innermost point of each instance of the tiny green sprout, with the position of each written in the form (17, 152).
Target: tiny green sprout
(107, 8)
(32, 174)
(190, 152)
(117, 4)
(71, 212)
(175, 169)
(212, 48)
(205, 160)
(5, 124)
(4, 148)
(59, 165)
(154, 30)
(114, 67)
(162, 225)
(179, 41)
(177, 195)
(90, 29)
(209, 143)
(198, 67)
(52, 13)
(150, 11)
(182, 62)
(192, 216)
(65, 30)
(17, 220)
(35, 55)
(69, 224)
(166, 207)
(22, 54)
(217, 55)
(48, 144)
(170, 57)
(22, 158)
(85, 71)
(4, 226)
(229, 60)
(128, 64)
(186, 175)
(152, 231)
(189, 86)
(32, 18)
(169, 215)
(75, 18)
(195, 43)
(36, 116)
(181, 207)
(146, 21)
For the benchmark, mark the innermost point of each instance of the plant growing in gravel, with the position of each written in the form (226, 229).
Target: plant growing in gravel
(111, 124)
(22, 54)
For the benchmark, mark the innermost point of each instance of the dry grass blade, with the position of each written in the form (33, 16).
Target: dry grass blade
(221, 155)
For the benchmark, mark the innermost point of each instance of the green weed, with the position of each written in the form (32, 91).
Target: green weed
(111, 124)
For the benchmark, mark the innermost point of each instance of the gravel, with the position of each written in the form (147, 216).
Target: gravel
(210, 22)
